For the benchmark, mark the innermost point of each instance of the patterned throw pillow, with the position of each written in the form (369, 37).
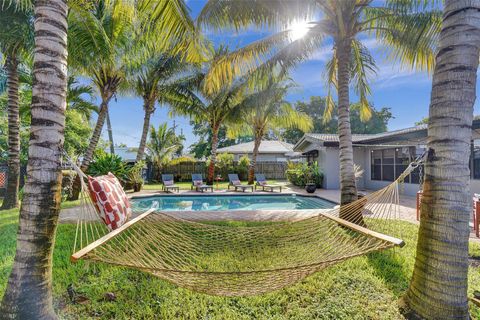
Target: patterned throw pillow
(197, 183)
(110, 200)
(168, 183)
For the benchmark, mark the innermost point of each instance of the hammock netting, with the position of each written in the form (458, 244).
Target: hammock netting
(211, 254)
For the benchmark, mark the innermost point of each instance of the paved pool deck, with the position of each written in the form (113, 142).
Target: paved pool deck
(407, 206)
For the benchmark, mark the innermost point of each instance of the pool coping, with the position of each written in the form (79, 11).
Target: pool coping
(226, 194)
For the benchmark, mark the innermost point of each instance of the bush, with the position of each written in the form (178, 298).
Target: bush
(299, 174)
(242, 167)
(105, 163)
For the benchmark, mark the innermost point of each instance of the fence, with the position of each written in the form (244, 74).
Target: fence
(183, 171)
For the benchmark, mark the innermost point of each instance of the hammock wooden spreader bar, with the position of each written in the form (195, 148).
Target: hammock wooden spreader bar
(79, 254)
(395, 241)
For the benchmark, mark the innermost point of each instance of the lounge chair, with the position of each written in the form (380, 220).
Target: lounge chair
(197, 183)
(236, 183)
(168, 184)
(262, 183)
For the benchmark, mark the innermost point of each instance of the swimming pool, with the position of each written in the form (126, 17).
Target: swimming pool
(231, 202)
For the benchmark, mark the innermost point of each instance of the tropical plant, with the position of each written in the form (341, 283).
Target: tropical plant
(29, 289)
(107, 162)
(406, 28)
(215, 109)
(438, 288)
(161, 147)
(156, 80)
(267, 111)
(224, 163)
(135, 175)
(301, 174)
(109, 37)
(16, 41)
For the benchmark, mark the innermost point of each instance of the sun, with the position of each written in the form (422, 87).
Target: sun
(298, 30)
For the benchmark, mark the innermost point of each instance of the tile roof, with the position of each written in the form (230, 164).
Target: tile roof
(359, 138)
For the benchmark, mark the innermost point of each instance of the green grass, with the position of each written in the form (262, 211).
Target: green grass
(366, 287)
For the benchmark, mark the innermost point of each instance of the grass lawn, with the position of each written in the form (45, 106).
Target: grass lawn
(366, 287)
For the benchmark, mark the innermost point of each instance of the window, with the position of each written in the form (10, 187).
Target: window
(376, 172)
(389, 164)
(475, 163)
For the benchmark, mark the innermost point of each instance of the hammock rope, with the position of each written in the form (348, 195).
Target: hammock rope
(222, 258)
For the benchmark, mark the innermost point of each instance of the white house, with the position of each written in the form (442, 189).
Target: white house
(382, 156)
(269, 151)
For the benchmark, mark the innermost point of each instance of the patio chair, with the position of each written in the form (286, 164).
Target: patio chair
(235, 182)
(168, 184)
(262, 183)
(197, 183)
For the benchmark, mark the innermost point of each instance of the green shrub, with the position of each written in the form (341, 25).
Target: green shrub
(105, 163)
(299, 174)
(242, 167)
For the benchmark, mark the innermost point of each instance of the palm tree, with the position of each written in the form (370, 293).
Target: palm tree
(155, 80)
(438, 288)
(79, 98)
(16, 40)
(29, 289)
(111, 36)
(162, 146)
(268, 112)
(306, 25)
(212, 109)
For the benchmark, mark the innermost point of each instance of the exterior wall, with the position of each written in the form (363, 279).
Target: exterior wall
(332, 167)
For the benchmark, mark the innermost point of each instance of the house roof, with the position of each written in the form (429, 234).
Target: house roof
(395, 136)
(266, 146)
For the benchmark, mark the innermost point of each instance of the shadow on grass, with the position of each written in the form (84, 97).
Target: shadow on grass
(389, 266)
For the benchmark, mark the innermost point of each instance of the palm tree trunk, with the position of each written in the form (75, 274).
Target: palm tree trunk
(251, 170)
(348, 189)
(213, 156)
(13, 175)
(93, 144)
(110, 133)
(148, 107)
(438, 289)
(29, 289)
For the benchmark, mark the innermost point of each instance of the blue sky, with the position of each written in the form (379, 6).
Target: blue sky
(406, 92)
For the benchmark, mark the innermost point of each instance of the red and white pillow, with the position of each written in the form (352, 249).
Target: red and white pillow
(236, 182)
(198, 183)
(110, 200)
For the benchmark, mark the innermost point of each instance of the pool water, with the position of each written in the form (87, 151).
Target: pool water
(231, 202)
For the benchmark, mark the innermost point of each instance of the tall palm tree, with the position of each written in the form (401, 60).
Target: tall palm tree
(29, 289)
(267, 111)
(113, 35)
(162, 146)
(212, 109)
(438, 289)
(308, 24)
(16, 40)
(156, 80)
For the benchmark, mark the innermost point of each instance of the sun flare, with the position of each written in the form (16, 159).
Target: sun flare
(298, 29)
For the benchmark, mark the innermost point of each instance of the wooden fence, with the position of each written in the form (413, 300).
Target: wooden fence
(183, 171)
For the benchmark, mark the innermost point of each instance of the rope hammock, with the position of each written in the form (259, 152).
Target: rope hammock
(228, 260)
